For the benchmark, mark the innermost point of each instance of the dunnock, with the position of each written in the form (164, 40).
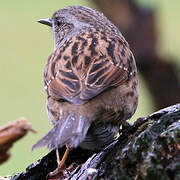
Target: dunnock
(90, 80)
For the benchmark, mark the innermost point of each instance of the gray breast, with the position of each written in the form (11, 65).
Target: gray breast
(99, 135)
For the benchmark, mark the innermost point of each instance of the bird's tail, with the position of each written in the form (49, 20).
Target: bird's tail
(70, 131)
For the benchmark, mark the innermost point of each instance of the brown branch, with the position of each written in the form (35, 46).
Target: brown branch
(9, 134)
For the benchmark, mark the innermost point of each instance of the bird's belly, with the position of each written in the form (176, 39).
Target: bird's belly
(99, 135)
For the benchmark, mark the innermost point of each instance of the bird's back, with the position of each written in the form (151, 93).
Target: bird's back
(86, 65)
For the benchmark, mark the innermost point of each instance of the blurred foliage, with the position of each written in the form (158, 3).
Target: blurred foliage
(25, 46)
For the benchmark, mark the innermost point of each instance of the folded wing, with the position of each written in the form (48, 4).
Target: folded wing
(91, 63)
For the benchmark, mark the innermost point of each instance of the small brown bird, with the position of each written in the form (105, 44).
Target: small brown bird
(90, 80)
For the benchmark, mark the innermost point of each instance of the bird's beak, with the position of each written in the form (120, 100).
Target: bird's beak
(47, 22)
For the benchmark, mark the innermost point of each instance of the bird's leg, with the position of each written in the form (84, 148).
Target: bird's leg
(58, 157)
(63, 160)
(61, 164)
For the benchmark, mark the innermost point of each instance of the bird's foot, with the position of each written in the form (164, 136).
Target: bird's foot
(62, 172)
(58, 172)
(72, 167)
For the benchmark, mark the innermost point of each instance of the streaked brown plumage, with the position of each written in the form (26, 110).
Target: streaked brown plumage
(90, 80)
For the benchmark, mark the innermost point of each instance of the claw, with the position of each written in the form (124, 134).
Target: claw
(61, 170)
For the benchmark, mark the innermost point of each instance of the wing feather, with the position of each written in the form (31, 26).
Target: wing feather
(88, 65)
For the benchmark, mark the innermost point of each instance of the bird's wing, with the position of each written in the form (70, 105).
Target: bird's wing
(86, 65)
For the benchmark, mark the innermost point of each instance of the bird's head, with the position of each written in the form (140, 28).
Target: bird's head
(72, 20)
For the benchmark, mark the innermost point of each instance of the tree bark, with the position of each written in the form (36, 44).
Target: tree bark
(149, 149)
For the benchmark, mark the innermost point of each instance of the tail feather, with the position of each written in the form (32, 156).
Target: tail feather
(71, 132)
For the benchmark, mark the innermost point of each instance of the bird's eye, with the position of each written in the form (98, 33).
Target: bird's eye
(59, 22)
